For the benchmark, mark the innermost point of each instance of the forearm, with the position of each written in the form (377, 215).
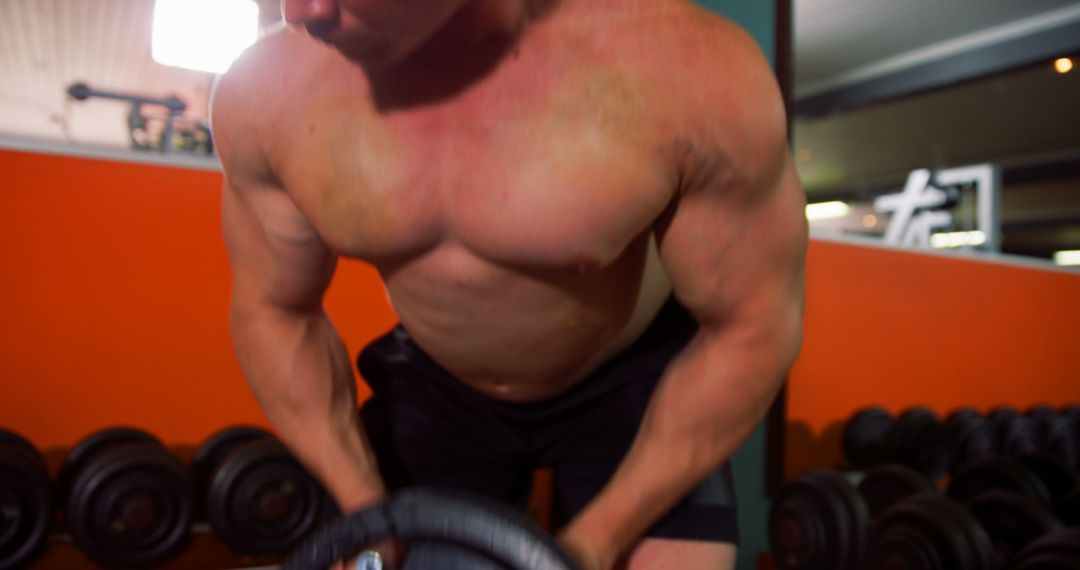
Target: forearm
(709, 401)
(301, 374)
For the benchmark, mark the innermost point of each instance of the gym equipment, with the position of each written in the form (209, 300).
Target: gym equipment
(25, 501)
(817, 521)
(1069, 509)
(930, 532)
(883, 487)
(256, 496)
(1012, 521)
(971, 437)
(917, 439)
(994, 474)
(866, 437)
(920, 441)
(1058, 550)
(442, 530)
(1058, 478)
(126, 499)
(1014, 433)
(1056, 435)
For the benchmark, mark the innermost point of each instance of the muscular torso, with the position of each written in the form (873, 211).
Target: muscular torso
(513, 222)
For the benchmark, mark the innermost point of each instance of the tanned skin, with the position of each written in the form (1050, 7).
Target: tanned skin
(531, 178)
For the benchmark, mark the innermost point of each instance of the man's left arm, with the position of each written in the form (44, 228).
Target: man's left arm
(733, 245)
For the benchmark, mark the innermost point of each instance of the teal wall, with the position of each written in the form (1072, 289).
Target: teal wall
(759, 18)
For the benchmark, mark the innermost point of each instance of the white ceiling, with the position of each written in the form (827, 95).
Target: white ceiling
(837, 41)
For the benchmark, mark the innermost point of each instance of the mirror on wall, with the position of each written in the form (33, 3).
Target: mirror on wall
(941, 126)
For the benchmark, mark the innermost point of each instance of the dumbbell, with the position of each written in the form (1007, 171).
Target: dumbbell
(126, 500)
(256, 496)
(1014, 433)
(1057, 433)
(441, 530)
(971, 437)
(917, 439)
(821, 521)
(1058, 550)
(1016, 499)
(25, 501)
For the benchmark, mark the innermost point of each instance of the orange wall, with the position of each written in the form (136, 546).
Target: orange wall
(115, 286)
(113, 302)
(897, 328)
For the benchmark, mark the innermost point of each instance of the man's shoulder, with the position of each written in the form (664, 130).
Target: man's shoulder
(248, 85)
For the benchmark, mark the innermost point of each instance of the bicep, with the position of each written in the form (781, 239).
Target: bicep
(277, 257)
(736, 260)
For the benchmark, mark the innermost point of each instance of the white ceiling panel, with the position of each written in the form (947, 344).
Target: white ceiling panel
(839, 39)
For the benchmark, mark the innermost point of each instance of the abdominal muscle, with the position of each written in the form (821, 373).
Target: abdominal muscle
(525, 335)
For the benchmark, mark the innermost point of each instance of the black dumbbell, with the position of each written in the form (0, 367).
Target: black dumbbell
(25, 501)
(917, 439)
(126, 499)
(971, 437)
(930, 532)
(1014, 433)
(256, 496)
(1058, 550)
(1057, 434)
(440, 529)
(820, 520)
(1012, 520)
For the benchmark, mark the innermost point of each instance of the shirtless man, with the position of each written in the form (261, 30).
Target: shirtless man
(548, 189)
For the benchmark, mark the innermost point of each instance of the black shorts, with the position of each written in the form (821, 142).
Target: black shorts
(428, 428)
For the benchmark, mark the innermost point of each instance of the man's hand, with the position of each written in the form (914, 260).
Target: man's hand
(587, 555)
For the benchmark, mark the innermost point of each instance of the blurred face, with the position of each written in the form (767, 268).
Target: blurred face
(374, 33)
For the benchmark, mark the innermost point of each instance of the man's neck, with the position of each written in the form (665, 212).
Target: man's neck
(469, 46)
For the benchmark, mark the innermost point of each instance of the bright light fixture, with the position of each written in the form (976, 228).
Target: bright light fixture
(1063, 65)
(827, 210)
(204, 35)
(1068, 257)
(957, 239)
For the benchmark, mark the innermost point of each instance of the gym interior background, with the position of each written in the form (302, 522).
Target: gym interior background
(975, 309)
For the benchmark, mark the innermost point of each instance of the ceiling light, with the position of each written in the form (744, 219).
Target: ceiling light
(951, 240)
(827, 210)
(1063, 65)
(1071, 257)
(204, 35)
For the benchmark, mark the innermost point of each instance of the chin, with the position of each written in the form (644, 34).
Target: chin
(372, 56)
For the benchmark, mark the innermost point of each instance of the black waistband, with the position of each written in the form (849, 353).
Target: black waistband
(396, 355)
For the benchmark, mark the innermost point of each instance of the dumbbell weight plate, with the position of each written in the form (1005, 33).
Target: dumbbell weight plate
(866, 437)
(921, 442)
(884, 486)
(457, 530)
(1059, 479)
(1011, 520)
(930, 532)
(91, 446)
(25, 501)
(996, 473)
(1014, 433)
(971, 437)
(818, 521)
(130, 506)
(1058, 550)
(261, 500)
(1069, 510)
(213, 450)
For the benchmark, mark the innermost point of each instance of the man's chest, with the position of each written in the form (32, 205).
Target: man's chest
(565, 177)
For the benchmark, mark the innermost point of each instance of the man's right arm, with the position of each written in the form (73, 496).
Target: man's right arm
(293, 358)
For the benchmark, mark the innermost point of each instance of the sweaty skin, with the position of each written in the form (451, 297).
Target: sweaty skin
(530, 200)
